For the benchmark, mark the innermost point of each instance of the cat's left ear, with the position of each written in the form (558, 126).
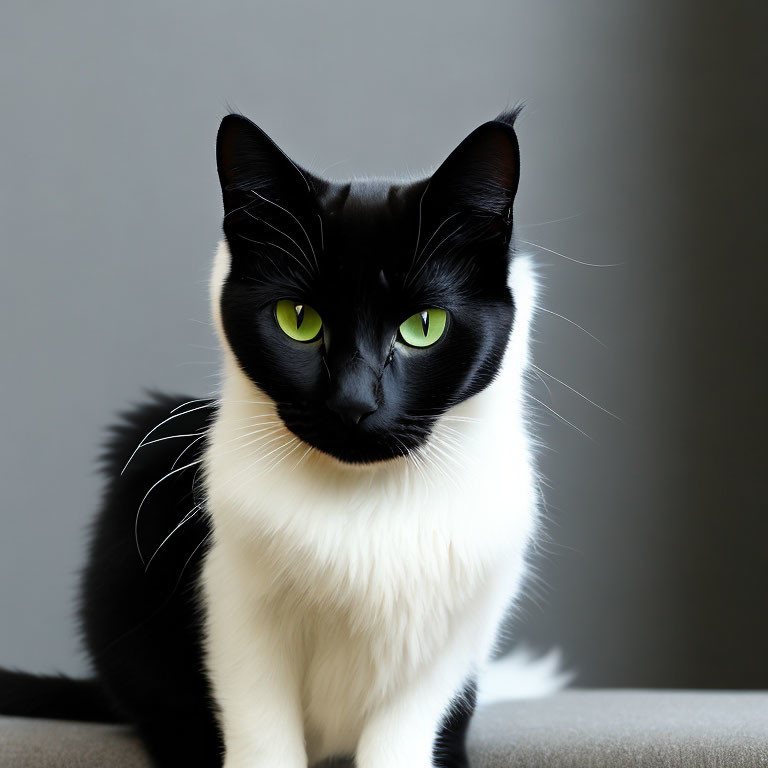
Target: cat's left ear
(479, 179)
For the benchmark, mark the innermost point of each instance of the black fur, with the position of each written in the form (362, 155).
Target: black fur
(366, 256)
(141, 624)
(450, 750)
(140, 615)
(54, 696)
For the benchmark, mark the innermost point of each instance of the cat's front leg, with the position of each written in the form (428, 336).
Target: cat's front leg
(252, 660)
(402, 732)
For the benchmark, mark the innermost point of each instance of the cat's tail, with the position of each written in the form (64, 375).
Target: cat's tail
(54, 696)
(522, 674)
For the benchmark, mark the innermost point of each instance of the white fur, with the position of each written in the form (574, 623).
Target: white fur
(346, 606)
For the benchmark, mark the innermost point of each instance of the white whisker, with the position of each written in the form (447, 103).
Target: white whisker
(418, 231)
(184, 450)
(576, 392)
(562, 418)
(185, 519)
(279, 247)
(169, 437)
(432, 236)
(551, 221)
(146, 495)
(425, 260)
(212, 402)
(569, 258)
(540, 378)
(568, 320)
(314, 255)
(304, 456)
(322, 237)
(156, 427)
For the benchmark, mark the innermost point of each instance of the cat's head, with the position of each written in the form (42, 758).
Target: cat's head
(366, 309)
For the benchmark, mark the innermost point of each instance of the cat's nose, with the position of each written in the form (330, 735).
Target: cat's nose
(353, 387)
(351, 406)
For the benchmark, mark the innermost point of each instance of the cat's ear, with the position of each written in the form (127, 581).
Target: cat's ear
(478, 179)
(252, 166)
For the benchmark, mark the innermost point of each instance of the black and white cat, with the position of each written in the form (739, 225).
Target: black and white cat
(316, 562)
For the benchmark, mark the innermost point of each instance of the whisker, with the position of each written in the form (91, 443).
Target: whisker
(458, 433)
(274, 434)
(413, 458)
(311, 247)
(562, 418)
(270, 427)
(322, 238)
(540, 378)
(418, 231)
(304, 456)
(208, 400)
(453, 448)
(570, 258)
(551, 221)
(568, 320)
(188, 560)
(438, 228)
(184, 450)
(146, 495)
(185, 519)
(279, 247)
(284, 456)
(439, 461)
(284, 234)
(256, 423)
(576, 392)
(156, 427)
(426, 259)
(249, 467)
(169, 437)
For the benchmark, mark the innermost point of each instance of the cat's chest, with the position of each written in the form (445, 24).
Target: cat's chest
(372, 573)
(376, 559)
(388, 551)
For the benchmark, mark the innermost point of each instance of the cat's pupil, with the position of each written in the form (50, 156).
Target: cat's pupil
(299, 315)
(425, 323)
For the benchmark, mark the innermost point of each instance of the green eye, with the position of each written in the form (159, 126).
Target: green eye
(424, 328)
(299, 321)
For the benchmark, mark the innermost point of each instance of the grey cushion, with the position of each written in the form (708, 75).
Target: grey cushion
(48, 743)
(599, 729)
(618, 729)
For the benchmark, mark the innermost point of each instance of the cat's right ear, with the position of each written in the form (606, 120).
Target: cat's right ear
(252, 167)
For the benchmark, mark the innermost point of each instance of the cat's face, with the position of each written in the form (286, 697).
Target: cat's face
(365, 310)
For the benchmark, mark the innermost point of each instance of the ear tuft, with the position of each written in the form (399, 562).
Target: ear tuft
(509, 116)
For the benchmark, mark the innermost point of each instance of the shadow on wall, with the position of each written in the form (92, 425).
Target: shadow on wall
(662, 580)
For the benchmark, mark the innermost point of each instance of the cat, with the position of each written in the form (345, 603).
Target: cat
(316, 562)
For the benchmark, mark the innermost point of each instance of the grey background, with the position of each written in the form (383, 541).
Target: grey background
(642, 146)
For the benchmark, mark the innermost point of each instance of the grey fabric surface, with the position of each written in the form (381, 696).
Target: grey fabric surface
(623, 729)
(50, 743)
(577, 729)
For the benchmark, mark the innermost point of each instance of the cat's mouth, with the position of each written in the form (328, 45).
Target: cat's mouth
(374, 440)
